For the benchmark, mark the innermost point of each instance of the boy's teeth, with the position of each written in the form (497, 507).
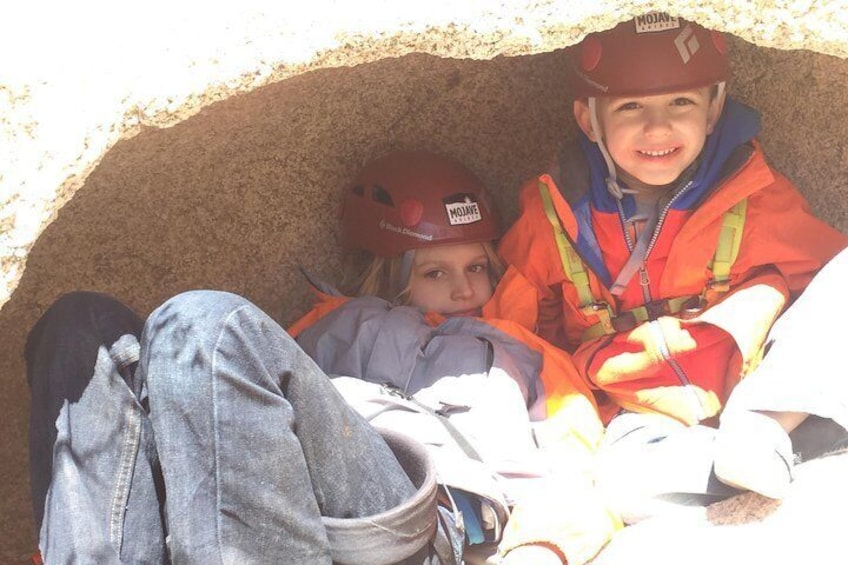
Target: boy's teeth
(658, 153)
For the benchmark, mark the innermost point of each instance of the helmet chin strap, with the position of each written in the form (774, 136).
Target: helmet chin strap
(612, 180)
(406, 267)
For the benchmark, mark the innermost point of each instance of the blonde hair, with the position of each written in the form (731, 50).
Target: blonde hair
(383, 276)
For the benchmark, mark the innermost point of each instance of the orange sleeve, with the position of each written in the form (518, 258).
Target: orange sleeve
(515, 299)
(529, 243)
(324, 304)
(530, 248)
(782, 232)
(783, 247)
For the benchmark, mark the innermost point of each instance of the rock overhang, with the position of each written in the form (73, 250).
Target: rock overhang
(80, 78)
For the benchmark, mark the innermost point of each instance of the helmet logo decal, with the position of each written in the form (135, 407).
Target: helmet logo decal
(462, 209)
(687, 44)
(655, 21)
(388, 226)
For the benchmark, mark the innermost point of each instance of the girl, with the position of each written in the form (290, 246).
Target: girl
(503, 415)
(206, 434)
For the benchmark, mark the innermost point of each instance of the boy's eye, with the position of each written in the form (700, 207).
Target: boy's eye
(478, 268)
(628, 106)
(682, 101)
(434, 274)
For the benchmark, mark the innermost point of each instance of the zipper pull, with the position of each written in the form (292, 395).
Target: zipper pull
(643, 277)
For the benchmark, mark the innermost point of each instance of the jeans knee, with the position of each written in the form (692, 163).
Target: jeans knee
(181, 337)
(196, 306)
(192, 317)
(202, 299)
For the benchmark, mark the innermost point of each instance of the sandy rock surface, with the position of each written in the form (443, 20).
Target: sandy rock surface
(76, 78)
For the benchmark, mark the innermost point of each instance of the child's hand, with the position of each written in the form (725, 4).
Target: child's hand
(531, 555)
(665, 332)
(661, 339)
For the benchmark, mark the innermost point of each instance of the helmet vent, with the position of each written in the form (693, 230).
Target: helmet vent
(381, 195)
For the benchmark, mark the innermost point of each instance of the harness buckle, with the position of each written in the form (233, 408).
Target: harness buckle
(693, 307)
(393, 390)
(657, 309)
(719, 286)
(625, 322)
(603, 312)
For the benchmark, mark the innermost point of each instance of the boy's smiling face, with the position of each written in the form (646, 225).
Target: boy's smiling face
(653, 139)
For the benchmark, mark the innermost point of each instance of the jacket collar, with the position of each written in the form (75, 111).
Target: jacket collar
(726, 150)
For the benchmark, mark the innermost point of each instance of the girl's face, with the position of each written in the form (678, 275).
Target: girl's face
(452, 280)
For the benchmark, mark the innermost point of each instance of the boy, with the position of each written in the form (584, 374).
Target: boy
(660, 249)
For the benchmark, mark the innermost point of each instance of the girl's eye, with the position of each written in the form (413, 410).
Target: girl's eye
(478, 268)
(434, 274)
(628, 106)
(682, 102)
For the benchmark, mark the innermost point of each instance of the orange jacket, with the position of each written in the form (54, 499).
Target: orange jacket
(783, 245)
(569, 515)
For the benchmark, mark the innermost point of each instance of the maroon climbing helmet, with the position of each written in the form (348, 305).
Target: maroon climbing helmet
(651, 54)
(410, 200)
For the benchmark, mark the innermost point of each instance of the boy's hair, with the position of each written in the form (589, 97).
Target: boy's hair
(384, 276)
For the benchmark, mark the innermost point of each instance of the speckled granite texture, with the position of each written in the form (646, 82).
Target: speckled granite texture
(181, 146)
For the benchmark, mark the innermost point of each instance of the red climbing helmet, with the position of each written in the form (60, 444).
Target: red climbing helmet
(651, 54)
(409, 200)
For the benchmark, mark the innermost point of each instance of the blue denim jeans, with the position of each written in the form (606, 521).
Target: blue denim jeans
(205, 426)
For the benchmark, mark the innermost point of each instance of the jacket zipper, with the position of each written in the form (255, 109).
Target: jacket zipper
(644, 282)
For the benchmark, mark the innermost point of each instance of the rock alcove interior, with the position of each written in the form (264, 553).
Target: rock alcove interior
(239, 195)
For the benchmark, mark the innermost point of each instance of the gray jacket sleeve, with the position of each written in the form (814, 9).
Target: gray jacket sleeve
(372, 340)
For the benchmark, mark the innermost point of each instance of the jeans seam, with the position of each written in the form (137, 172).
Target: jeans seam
(216, 449)
(125, 470)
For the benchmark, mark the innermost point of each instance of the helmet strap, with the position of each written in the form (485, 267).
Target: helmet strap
(406, 267)
(718, 100)
(612, 180)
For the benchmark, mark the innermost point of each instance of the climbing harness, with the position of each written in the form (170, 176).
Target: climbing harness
(729, 241)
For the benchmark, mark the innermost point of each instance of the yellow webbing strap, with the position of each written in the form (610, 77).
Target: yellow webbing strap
(572, 265)
(729, 241)
(596, 330)
(672, 306)
(640, 315)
